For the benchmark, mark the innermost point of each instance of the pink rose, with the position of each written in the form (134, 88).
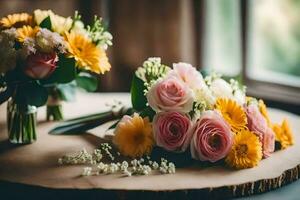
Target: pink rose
(40, 65)
(212, 139)
(170, 94)
(268, 143)
(188, 74)
(172, 130)
(258, 124)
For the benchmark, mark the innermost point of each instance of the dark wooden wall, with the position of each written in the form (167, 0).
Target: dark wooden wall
(170, 29)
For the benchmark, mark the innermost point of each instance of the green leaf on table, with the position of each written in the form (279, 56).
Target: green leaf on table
(82, 124)
(87, 82)
(114, 125)
(46, 23)
(64, 73)
(32, 94)
(67, 92)
(138, 99)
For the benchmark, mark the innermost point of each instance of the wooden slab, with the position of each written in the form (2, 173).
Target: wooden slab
(36, 164)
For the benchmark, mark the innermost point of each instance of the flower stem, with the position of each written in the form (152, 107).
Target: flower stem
(21, 123)
(54, 112)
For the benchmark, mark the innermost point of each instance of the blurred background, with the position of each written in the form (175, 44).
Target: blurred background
(257, 41)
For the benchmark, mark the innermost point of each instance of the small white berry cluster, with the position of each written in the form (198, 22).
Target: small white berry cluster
(81, 157)
(84, 157)
(106, 148)
(134, 167)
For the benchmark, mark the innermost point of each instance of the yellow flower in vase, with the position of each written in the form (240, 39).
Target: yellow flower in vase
(246, 151)
(87, 55)
(26, 32)
(133, 136)
(283, 134)
(233, 113)
(16, 20)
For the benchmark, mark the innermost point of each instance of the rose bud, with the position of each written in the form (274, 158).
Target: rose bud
(172, 131)
(212, 139)
(40, 65)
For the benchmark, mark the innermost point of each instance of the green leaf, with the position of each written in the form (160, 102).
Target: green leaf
(87, 82)
(148, 112)
(32, 94)
(138, 99)
(64, 73)
(46, 23)
(82, 124)
(67, 92)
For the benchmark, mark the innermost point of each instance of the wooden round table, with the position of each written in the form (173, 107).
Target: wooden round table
(33, 169)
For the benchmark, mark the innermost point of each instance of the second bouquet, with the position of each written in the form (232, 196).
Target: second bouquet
(43, 57)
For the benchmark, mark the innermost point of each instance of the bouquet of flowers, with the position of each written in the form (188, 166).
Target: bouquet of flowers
(42, 56)
(179, 110)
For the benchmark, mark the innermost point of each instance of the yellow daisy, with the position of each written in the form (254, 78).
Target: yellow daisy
(86, 53)
(283, 134)
(233, 113)
(246, 151)
(263, 110)
(133, 136)
(26, 32)
(16, 20)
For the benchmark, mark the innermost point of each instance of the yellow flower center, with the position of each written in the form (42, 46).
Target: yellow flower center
(242, 149)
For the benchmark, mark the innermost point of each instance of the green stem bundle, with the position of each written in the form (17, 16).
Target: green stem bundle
(21, 123)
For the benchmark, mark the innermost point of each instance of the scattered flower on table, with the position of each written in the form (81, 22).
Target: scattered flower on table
(172, 130)
(233, 113)
(177, 111)
(133, 136)
(170, 94)
(246, 151)
(212, 138)
(283, 134)
(227, 125)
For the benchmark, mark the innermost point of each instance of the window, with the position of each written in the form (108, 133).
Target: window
(222, 46)
(260, 38)
(273, 49)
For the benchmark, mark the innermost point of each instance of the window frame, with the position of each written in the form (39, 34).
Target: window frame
(262, 89)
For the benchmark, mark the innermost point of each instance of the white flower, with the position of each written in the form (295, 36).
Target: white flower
(59, 24)
(221, 89)
(204, 95)
(28, 47)
(47, 41)
(239, 96)
(8, 54)
(78, 28)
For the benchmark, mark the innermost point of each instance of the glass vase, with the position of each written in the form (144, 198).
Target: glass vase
(21, 122)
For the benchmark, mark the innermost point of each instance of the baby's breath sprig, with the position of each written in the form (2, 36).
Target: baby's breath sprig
(210, 78)
(198, 108)
(152, 70)
(81, 157)
(77, 16)
(142, 166)
(99, 35)
(235, 85)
